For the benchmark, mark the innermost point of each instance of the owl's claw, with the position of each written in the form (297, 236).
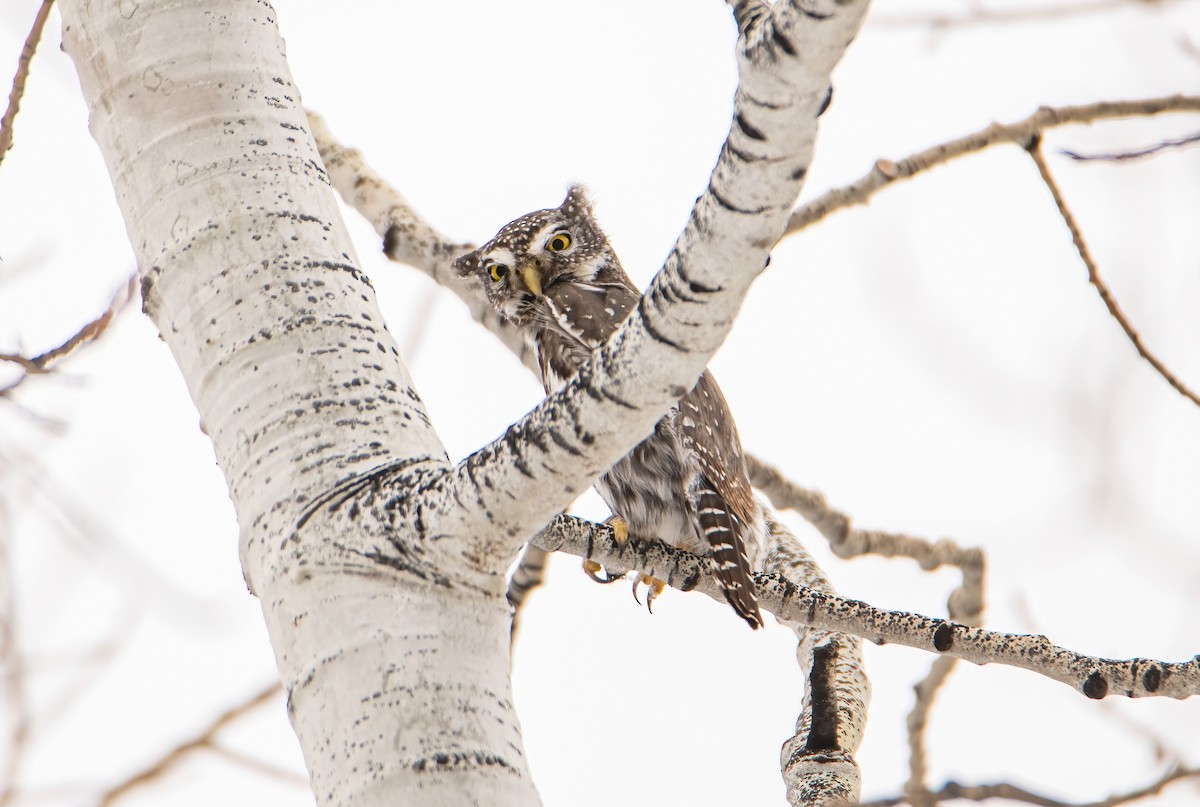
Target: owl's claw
(620, 534)
(592, 569)
(654, 587)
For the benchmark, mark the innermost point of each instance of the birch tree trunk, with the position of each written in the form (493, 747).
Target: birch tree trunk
(250, 276)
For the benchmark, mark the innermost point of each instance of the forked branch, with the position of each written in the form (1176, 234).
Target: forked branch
(1035, 151)
(1023, 133)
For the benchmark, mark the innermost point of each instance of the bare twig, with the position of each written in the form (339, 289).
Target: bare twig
(885, 172)
(18, 86)
(1189, 47)
(1136, 154)
(202, 740)
(953, 790)
(917, 721)
(82, 675)
(979, 15)
(1034, 147)
(1162, 751)
(13, 667)
(93, 330)
(258, 766)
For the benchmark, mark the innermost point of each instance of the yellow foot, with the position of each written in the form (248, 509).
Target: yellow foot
(620, 534)
(619, 527)
(592, 569)
(654, 587)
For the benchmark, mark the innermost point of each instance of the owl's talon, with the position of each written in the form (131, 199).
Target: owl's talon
(592, 569)
(653, 585)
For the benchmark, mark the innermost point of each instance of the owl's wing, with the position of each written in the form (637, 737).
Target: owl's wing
(583, 317)
(724, 504)
(591, 313)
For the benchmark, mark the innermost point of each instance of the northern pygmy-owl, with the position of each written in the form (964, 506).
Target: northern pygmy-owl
(553, 274)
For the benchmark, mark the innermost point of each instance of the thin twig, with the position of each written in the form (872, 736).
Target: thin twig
(980, 15)
(90, 332)
(258, 766)
(885, 172)
(83, 676)
(202, 740)
(1136, 154)
(18, 86)
(1034, 147)
(13, 665)
(916, 723)
(953, 790)
(1128, 726)
(1189, 47)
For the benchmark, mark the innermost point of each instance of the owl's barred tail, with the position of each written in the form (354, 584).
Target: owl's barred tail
(725, 532)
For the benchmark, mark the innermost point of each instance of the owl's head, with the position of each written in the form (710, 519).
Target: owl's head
(529, 256)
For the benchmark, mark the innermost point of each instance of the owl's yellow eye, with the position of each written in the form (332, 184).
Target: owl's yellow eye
(497, 271)
(558, 242)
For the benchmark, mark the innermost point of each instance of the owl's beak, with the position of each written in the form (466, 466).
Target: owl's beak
(532, 276)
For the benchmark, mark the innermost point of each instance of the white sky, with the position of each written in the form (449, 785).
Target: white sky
(935, 363)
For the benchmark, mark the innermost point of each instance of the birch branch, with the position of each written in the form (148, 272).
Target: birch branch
(656, 355)
(614, 401)
(1093, 676)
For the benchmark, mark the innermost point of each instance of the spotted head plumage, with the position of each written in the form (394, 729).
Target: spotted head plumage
(553, 274)
(528, 266)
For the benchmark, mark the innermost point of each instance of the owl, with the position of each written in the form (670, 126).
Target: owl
(553, 274)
